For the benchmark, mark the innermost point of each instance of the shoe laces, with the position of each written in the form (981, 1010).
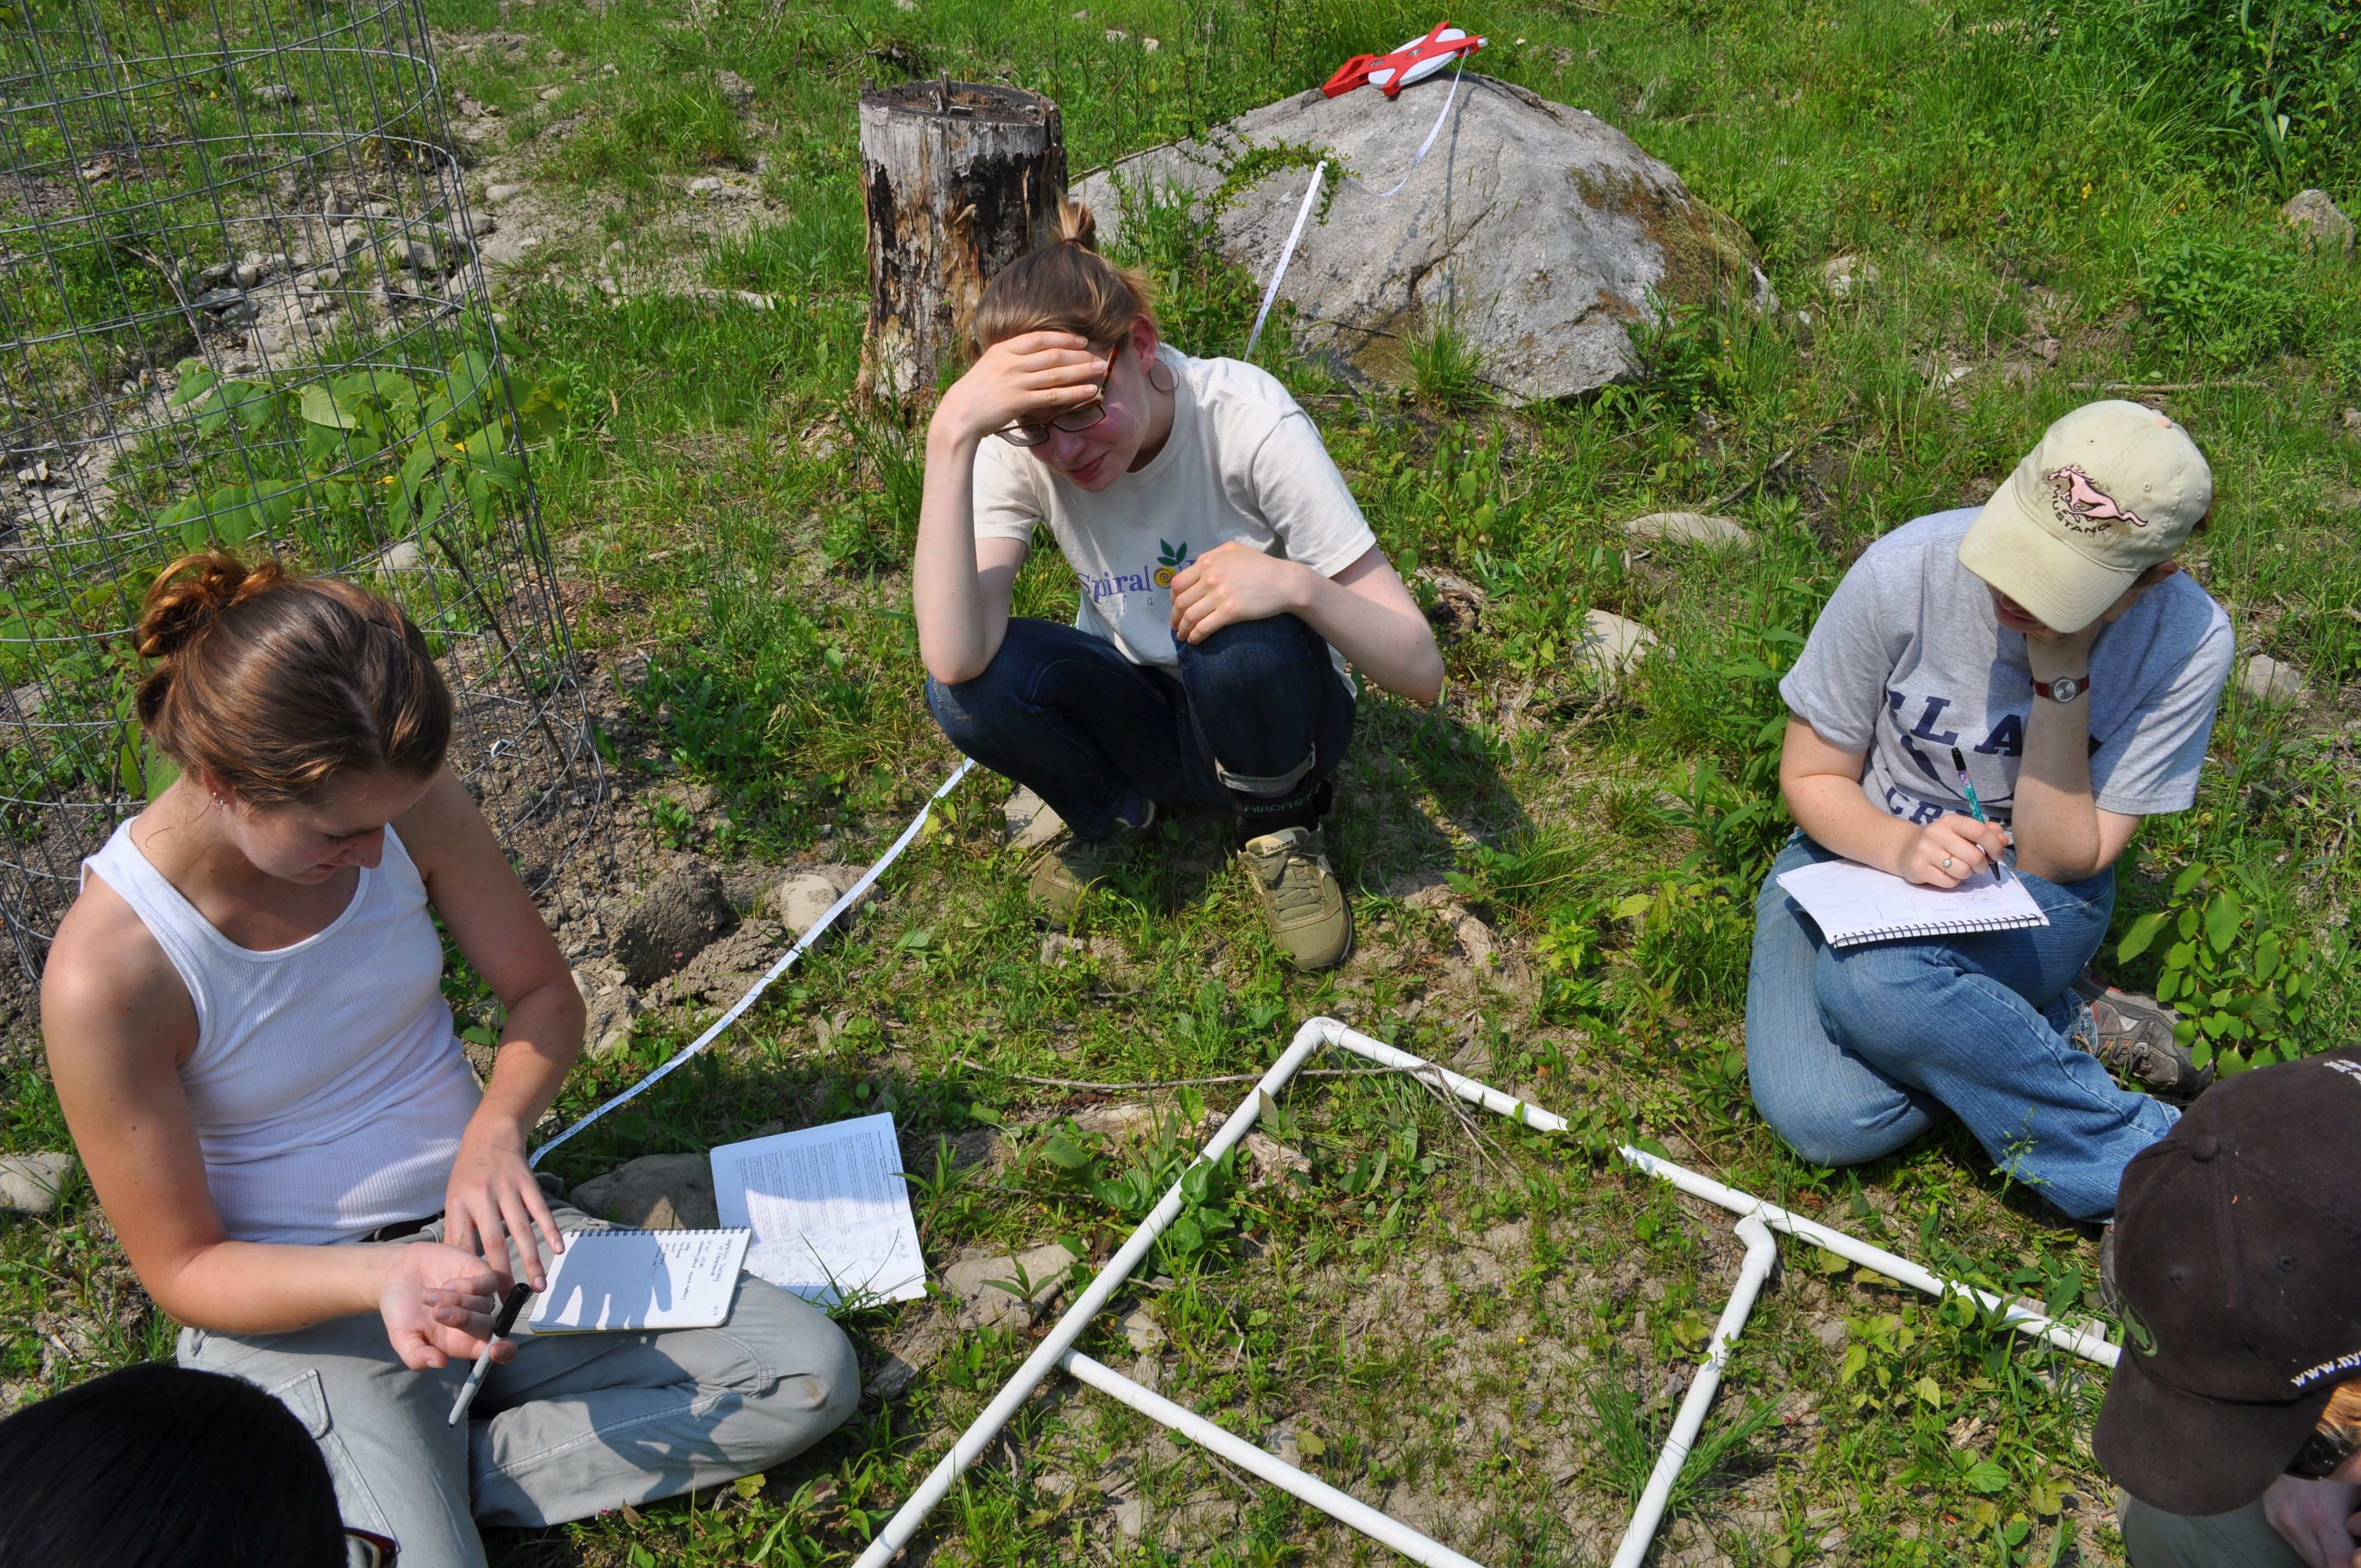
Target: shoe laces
(1291, 875)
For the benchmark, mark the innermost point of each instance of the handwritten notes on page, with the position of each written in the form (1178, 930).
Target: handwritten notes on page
(829, 1213)
(610, 1281)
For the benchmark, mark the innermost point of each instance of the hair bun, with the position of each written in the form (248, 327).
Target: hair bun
(1076, 225)
(191, 594)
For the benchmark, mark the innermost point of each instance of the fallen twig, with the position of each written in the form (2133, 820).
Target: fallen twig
(2158, 385)
(1170, 1082)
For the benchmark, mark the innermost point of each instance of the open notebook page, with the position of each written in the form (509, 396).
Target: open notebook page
(609, 1280)
(1854, 904)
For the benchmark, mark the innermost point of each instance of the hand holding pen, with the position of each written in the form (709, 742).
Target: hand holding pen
(518, 1296)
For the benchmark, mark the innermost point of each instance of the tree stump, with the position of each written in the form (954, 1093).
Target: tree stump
(961, 179)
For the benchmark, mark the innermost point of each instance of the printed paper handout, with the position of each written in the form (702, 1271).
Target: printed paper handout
(607, 1281)
(829, 1210)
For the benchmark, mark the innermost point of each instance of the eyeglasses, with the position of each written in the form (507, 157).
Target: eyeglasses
(2322, 1453)
(1073, 419)
(367, 1549)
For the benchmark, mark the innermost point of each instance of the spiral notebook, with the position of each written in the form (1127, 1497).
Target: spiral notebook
(628, 1280)
(1856, 903)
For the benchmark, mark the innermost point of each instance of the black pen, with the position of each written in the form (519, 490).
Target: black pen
(518, 1296)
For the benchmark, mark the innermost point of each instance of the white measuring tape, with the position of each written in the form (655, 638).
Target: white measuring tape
(803, 945)
(1312, 194)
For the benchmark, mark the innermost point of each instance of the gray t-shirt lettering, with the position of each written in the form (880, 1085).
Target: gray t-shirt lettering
(1908, 660)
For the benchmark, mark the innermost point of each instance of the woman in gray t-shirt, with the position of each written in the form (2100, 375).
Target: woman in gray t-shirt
(2049, 639)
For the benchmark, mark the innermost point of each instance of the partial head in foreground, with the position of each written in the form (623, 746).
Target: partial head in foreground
(2238, 1252)
(1070, 291)
(308, 709)
(2097, 509)
(154, 1466)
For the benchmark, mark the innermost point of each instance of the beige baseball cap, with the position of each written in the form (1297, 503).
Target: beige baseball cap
(2113, 488)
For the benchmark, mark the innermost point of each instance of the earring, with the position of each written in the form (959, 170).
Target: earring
(1159, 376)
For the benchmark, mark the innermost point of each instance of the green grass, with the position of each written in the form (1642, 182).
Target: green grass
(1481, 1342)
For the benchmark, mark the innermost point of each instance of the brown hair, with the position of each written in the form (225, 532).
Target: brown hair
(2341, 1419)
(275, 684)
(1068, 287)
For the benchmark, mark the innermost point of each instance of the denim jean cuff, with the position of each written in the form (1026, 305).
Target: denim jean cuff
(1269, 785)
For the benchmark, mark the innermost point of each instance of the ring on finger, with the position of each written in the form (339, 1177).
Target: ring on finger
(1947, 862)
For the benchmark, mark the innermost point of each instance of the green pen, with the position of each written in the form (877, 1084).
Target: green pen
(1975, 806)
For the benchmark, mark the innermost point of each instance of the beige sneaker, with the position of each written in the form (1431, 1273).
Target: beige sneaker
(1070, 867)
(1302, 902)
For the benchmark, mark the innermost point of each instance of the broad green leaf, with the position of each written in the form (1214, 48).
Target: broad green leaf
(1065, 1153)
(197, 380)
(2185, 880)
(2267, 956)
(320, 408)
(2135, 941)
(2223, 917)
(1985, 1477)
(1856, 1357)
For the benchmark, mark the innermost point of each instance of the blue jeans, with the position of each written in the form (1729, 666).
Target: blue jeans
(1852, 1052)
(1255, 721)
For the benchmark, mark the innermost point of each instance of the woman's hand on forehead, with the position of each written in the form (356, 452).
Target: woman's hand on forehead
(1029, 378)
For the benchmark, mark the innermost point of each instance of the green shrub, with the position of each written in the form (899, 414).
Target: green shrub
(2224, 302)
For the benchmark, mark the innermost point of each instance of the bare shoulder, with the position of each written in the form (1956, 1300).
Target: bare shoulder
(445, 833)
(108, 985)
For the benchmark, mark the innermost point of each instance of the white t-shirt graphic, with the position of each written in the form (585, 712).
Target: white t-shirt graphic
(1909, 660)
(1243, 462)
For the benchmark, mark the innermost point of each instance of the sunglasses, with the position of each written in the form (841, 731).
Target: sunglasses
(2322, 1453)
(367, 1549)
(1073, 419)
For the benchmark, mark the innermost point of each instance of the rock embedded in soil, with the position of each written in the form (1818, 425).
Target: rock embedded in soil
(2268, 681)
(984, 1303)
(800, 901)
(1540, 231)
(1142, 1331)
(2320, 220)
(672, 924)
(1844, 276)
(34, 1183)
(734, 87)
(1700, 529)
(1611, 645)
(656, 1193)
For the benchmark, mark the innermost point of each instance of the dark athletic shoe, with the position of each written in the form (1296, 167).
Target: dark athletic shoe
(1070, 867)
(2135, 1035)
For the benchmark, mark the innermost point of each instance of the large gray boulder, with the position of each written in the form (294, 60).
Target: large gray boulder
(1541, 231)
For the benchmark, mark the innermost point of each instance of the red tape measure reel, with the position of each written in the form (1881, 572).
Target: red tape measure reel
(1414, 61)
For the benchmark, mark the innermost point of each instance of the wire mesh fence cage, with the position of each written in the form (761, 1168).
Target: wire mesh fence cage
(240, 308)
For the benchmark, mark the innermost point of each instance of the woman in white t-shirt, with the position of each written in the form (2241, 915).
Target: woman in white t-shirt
(245, 1019)
(2052, 643)
(1227, 577)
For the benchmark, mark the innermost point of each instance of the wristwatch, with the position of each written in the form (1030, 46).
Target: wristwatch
(2065, 688)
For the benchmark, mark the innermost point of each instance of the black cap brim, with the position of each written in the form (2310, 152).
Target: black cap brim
(2194, 1456)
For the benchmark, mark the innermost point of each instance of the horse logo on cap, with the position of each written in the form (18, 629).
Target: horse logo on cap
(2082, 506)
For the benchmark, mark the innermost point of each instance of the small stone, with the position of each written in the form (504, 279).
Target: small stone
(1832, 1333)
(2344, 499)
(2320, 222)
(1843, 275)
(1612, 645)
(378, 209)
(416, 255)
(734, 87)
(2268, 681)
(551, 95)
(1030, 822)
(1151, 44)
(800, 900)
(1147, 1370)
(1696, 528)
(273, 92)
(506, 191)
(248, 274)
(1116, 35)
(985, 1303)
(655, 1192)
(609, 1015)
(704, 185)
(1130, 1514)
(672, 924)
(2353, 422)
(403, 556)
(34, 1183)
(479, 224)
(1144, 1333)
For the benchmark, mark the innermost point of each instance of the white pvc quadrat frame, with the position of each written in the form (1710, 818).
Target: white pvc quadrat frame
(1757, 1220)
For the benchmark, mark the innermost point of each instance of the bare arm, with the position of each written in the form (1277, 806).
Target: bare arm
(118, 1021)
(1822, 784)
(1363, 610)
(2062, 832)
(492, 1199)
(960, 590)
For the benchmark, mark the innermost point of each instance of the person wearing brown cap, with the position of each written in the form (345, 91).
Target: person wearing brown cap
(2047, 649)
(2234, 1418)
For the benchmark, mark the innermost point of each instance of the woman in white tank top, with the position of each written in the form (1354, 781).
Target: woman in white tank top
(246, 1029)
